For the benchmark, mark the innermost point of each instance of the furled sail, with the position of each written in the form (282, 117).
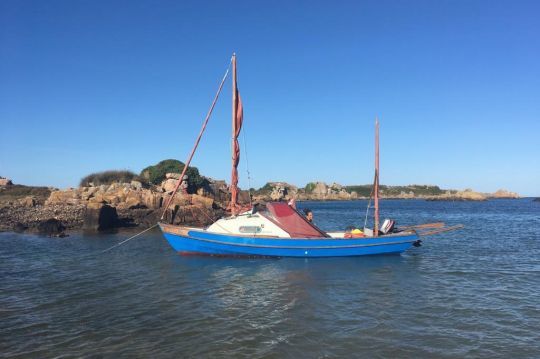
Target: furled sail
(237, 118)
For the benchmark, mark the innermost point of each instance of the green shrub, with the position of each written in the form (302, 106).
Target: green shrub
(266, 189)
(365, 190)
(310, 187)
(156, 174)
(18, 191)
(108, 177)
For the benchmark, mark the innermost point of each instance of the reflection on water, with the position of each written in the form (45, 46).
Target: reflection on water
(469, 293)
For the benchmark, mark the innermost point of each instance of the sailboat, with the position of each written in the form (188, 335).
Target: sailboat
(278, 229)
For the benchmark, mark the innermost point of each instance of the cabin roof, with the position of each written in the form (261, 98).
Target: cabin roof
(292, 222)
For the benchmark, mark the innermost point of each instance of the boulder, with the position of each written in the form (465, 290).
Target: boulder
(244, 197)
(99, 217)
(133, 200)
(88, 192)
(320, 189)
(169, 184)
(342, 194)
(471, 195)
(466, 195)
(202, 201)
(69, 196)
(179, 199)
(52, 228)
(277, 191)
(136, 185)
(97, 198)
(113, 198)
(336, 187)
(151, 199)
(502, 193)
(19, 227)
(175, 176)
(28, 201)
(113, 187)
(219, 190)
(5, 182)
(204, 191)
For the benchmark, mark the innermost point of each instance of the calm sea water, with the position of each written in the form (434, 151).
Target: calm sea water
(471, 293)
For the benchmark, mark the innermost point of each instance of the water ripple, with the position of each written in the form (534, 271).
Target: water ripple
(473, 293)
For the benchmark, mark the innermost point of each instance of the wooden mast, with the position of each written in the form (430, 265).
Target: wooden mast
(376, 182)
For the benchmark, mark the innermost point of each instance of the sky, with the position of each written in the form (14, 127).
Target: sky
(88, 86)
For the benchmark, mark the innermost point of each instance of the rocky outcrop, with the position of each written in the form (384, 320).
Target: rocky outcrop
(70, 196)
(5, 182)
(15, 217)
(116, 205)
(28, 201)
(502, 193)
(322, 191)
(52, 227)
(19, 227)
(136, 204)
(216, 189)
(99, 217)
(466, 195)
(275, 191)
(282, 191)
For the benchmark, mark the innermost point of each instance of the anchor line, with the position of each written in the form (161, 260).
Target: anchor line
(129, 239)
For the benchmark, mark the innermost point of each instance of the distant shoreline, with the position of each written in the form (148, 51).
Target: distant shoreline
(125, 204)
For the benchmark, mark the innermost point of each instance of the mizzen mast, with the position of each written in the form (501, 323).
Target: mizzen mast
(376, 181)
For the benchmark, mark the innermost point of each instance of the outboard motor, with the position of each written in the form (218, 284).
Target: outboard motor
(388, 226)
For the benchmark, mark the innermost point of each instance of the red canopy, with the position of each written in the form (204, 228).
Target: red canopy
(292, 222)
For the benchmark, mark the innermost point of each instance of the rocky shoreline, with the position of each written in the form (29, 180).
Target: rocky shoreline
(320, 191)
(105, 207)
(135, 204)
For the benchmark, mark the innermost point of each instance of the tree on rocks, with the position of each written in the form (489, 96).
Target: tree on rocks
(156, 174)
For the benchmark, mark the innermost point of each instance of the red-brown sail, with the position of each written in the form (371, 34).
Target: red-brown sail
(237, 118)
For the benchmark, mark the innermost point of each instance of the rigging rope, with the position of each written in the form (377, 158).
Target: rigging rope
(247, 166)
(214, 221)
(186, 165)
(369, 202)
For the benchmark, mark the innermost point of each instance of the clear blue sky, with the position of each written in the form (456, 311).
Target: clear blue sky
(88, 86)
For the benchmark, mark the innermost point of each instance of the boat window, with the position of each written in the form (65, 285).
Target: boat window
(250, 229)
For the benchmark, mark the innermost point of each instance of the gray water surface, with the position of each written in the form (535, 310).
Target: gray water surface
(470, 293)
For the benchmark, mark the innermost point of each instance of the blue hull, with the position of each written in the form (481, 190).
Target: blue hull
(201, 242)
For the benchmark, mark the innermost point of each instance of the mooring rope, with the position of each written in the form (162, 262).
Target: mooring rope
(129, 239)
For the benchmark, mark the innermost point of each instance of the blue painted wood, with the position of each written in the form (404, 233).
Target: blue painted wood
(220, 244)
